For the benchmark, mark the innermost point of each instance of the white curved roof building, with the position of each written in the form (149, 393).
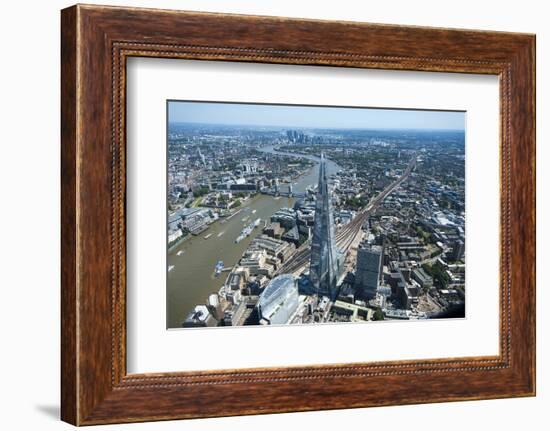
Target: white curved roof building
(279, 301)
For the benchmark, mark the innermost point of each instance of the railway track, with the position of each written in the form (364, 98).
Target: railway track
(348, 233)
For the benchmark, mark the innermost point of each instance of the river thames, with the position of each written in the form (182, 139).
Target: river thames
(192, 278)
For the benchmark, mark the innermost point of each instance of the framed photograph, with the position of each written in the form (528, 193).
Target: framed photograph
(265, 215)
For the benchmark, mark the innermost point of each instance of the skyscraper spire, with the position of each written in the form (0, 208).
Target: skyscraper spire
(324, 260)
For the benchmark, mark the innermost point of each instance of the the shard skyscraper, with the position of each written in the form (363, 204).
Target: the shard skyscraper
(323, 267)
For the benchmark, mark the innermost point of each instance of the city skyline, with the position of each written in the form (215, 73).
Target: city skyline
(309, 221)
(313, 117)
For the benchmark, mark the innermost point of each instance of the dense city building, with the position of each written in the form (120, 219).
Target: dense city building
(282, 226)
(279, 301)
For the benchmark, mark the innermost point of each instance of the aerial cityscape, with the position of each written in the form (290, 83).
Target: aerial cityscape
(290, 214)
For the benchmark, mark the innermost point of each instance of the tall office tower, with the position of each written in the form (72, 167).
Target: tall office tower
(323, 267)
(458, 250)
(367, 271)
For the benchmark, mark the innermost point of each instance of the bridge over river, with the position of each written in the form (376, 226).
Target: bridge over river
(192, 277)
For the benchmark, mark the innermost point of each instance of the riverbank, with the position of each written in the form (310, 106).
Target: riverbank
(192, 279)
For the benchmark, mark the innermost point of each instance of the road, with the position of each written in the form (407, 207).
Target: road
(347, 234)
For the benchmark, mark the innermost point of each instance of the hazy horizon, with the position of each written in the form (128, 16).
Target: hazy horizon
(312, 117)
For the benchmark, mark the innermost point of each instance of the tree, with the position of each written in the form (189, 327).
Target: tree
(438, 273)
(355, 203)
(378, 315)
(200, 191)
(235, 204)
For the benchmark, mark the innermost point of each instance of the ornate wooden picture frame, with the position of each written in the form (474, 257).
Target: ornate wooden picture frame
(96, 41)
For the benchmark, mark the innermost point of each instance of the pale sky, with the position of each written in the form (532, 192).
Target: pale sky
(297, 116)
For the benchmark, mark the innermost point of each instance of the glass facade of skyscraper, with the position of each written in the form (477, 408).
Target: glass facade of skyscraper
(324, 258)
(367, 273)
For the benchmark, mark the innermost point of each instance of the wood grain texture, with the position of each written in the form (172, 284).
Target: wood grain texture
(96, 41)
(69, 397)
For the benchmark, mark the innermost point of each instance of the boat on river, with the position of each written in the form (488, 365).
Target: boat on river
(218, 268)
(248, 230)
